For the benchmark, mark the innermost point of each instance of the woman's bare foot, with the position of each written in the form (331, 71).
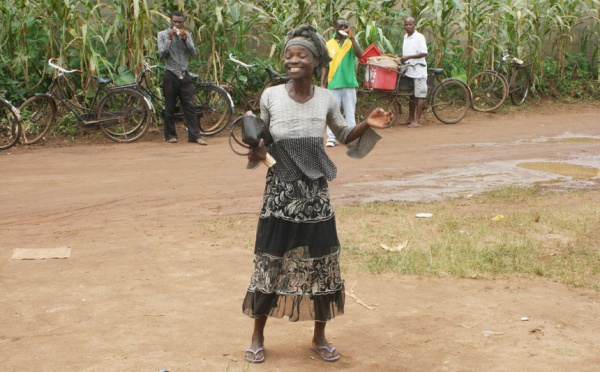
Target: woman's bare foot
(414, 125)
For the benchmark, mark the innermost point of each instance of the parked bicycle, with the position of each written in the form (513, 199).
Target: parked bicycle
(490, 88)
(249, 101)
(10, 123)
(121, 113)
(214, 106)
(449, 99)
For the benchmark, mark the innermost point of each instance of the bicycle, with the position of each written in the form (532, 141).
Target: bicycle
(491, 87)
(251, 102)
(214, 105)
(122, 114)
(10, 123)
(449, 99)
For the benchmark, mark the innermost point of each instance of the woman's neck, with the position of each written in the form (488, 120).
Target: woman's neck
(300, 90)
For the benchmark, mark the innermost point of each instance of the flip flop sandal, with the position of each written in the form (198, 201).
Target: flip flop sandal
(322, 350)
(255, 353)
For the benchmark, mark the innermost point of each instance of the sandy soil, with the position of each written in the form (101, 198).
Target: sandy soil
(150, 286)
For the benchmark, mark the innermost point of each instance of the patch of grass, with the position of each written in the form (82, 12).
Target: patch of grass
(509, 232)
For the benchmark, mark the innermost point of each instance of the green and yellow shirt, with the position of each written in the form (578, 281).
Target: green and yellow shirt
(342, 73)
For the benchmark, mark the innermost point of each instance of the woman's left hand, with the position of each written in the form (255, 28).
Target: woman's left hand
(379, 118)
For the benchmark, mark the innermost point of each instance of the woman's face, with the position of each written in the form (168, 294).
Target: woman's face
(299, 62)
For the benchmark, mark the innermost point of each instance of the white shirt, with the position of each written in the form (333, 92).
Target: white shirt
(415, 44)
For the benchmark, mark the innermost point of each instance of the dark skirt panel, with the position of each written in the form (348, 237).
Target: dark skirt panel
(298, 308)
(296, 256)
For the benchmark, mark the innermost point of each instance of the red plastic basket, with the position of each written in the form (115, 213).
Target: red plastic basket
(380, 78)
(371, 51)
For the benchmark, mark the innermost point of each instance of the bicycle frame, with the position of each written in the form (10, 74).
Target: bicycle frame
(56, 91)
(143, 86)
(449, 98)
(10, 105)
(251, 103)
(10, 130)
(512, 61)
(408, 91)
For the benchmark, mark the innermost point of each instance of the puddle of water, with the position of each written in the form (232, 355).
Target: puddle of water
(578, 172)
(542, 140)
(474, 179)
(575, 139)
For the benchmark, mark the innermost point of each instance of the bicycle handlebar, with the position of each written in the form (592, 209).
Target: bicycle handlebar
(239, 62)
(507, 57)
(150, 67)
(51, 64)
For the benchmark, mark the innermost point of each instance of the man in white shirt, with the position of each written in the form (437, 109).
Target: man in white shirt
(414, 51)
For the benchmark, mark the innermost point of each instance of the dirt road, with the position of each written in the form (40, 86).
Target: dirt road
(151, 285)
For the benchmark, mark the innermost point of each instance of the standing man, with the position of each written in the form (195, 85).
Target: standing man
(175, 47)
(340, 76)
(414, 51)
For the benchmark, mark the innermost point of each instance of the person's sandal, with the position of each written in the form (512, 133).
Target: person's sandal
(323, 350)
(254, 358)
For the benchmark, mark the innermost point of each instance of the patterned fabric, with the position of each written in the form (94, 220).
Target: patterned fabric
(296, 256)
(302, 156)
(296, 201)
(296, 253)
(296, 274)
(298, 130)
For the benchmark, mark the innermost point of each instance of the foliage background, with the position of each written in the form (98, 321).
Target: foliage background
(109, 37)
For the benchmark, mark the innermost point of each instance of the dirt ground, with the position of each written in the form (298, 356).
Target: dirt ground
(150, 286)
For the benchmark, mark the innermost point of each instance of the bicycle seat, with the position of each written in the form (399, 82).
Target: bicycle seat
(271, 72)
(193, 76)
(436, 71)
(101, 80)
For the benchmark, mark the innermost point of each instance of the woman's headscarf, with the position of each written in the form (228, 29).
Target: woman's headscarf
(307, 36)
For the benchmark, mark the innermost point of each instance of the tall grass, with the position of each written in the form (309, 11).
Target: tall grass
(109, 37)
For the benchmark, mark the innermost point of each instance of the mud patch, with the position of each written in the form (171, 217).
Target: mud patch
(566, 169)
(466, 181)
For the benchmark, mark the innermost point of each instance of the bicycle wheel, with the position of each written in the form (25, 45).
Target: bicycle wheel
(37, 115)
(124, 115)
(489, 89)
(451, 101)
(520, 83)
(213, 108)
(388, 103)
(10, 128)
(235, 138)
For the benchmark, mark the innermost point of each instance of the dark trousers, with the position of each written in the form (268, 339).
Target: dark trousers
(182, 89)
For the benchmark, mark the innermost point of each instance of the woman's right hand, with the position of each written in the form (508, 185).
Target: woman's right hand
(258, 153)
(379, 118)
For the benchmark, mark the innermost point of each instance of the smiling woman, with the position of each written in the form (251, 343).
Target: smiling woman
(296, 254)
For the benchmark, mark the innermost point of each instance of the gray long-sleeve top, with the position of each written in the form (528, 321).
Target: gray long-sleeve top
(176, 52)
(298, 130)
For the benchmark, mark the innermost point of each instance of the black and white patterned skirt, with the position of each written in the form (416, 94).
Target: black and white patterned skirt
(296, 255)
